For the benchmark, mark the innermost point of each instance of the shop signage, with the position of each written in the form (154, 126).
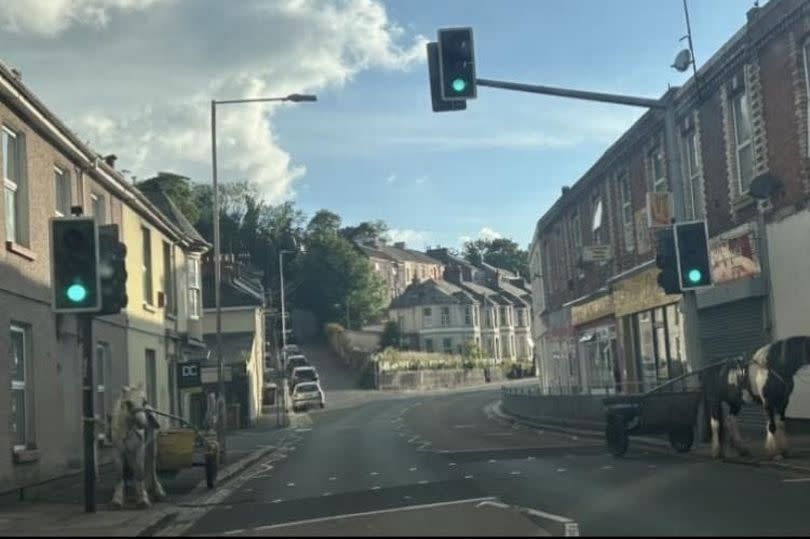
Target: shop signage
(593, 310)
(189, 375)
(209, 375)
(596, 253)
(659, 209)
(734, 256)
(640, 293)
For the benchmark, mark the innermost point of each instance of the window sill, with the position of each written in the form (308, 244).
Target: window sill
(743, 201)
(18, 249)
(24, 456)
(149, 308)
(171, 316)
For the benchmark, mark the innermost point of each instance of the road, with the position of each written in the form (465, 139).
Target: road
(438, 464)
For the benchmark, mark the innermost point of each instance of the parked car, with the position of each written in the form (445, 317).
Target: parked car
(290, 350)
(307, 394)
(295, 361)
(303, 374)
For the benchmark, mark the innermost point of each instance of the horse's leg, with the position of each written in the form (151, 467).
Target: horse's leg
(716, 420)
(781, 436)
(154, 488)
(770, 436)
(141, 496)
(734, 431)
(117, 501)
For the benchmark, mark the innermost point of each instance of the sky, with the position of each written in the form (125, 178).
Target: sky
(135, 78)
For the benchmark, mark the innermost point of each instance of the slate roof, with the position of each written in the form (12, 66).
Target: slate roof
(236, 347)
(396, 254)
(431, 292)
(231, 295)
(161, 200)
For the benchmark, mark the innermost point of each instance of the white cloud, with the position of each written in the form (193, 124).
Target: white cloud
(487, 233)
(421, 180)
(464, 239)
(391, 179)
(414, 239)
(141, 80)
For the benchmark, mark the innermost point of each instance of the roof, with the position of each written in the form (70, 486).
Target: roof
(169, 209)
(486, 292)
(397, 254)
(231, 294)
(504, 272)
(236, 347)
(431, 292)
(515, 291)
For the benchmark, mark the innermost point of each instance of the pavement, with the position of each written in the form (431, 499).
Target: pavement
(423, 464)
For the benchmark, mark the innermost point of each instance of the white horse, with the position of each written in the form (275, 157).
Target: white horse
(134, 429)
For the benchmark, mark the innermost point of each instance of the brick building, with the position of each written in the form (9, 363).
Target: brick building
(606, 325)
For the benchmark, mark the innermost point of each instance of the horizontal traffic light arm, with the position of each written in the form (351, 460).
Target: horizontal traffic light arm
(620, 99)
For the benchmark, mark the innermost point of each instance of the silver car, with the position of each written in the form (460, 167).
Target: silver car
(306, 395)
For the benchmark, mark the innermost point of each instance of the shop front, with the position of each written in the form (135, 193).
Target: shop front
(595, 334)
(558, 353)
(651, 336)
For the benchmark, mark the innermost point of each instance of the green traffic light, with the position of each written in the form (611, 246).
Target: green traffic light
(459, 85)
(694, 276)
(76, 292)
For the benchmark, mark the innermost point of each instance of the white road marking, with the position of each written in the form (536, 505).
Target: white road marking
(233, 532)
(406, 497)
(374, 473)
(333, 478)
(550, 516)
(606, 467)
(797, 480)
(423, 482)
(452, 464)
(290, 484)
(412, 469)
(530, 458)
(492, 461)
(468, 476)
(561, 470)
(368, 513)
(514, 473)
(277, 500)
(541, 431)
(375, 487)
(465, 426)
(492, 503)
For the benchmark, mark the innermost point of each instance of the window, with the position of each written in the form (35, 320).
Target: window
(151, 378)
(20, 388)
(13, 185)
(61, 186)
(692, 162)
(475, 314)
(657, 170)
(743, 139)
(807, 88)
(504, 318)
(625, 196)
(147, 265)
(576, 234)
(468, 316)
(428, 345)
(447, 345)
(427, 317)
(445, 316)
(99, 204)
(401, 322)
(596, 227)
(194, 288)
(168, 278)
(102, 373)
(511, 345)
(521, 318)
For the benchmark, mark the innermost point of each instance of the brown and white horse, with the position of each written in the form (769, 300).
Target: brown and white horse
(766, 379)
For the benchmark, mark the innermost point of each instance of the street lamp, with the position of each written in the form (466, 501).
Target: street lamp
(281, 254)
(294, 98)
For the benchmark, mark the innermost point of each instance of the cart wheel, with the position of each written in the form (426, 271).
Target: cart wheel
(616, 436)
(211, 469)
(681, 439)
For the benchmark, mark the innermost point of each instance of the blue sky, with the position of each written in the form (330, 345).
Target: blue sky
(374, 148)
(135, 78)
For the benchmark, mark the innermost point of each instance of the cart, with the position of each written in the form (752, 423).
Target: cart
(670, 409)
(185, 447)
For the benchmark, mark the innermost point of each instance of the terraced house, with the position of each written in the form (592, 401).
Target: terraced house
(46, 170)
(606, 326)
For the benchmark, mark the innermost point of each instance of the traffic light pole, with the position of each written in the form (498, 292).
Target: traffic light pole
(85, 327)
(667, 105)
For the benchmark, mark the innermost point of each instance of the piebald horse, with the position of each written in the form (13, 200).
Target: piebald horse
(134, 428)
(766, 379)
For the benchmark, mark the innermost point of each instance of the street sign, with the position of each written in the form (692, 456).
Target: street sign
(189, 375)
(596, 253)
(660, 209)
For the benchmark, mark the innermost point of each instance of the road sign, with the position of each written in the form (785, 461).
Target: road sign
(189, 374)
(596, 253)
(660, 209)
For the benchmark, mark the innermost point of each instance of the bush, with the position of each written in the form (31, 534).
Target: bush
(391, 336)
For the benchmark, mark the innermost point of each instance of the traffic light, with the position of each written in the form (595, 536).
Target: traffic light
(439, 104)
(692, 246)
(457, 64)
(74, 258)
(666, 259)
(112, 270)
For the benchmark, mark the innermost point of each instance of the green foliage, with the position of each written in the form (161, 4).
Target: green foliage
(391, 335)
(367, 230)
(470, 350)
(179, 190)
(500, 252)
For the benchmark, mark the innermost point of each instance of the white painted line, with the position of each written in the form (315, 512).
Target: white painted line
(465, 426)
(290, 484)
(797, 480)
(549, 516)
(233, 532)
(606, 467)
(515, 472)
(333, 478)
(423, 482)
(561, 470)
(374, 473)
(327, 494)
(541, 431)
(368, 513)
(530, 458)
(412, 469)
(277, 500)
(468, 476)
(492, 461)
(492, 504)
(452, 464)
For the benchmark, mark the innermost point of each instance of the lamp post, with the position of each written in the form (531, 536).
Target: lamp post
(294, 98)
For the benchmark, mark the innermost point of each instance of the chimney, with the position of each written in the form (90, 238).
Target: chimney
(753, 13)
(110, 159)
(400, 245)
(565, 190)
(440, 253)
(17, 73)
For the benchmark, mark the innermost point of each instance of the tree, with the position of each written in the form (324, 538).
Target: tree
(323, 222)
(500, 252)
(390, 336)
(471, 350)
(367, 230)
(179, 189)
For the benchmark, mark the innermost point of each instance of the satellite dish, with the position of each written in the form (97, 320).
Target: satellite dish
(683, 60)
(764, 185)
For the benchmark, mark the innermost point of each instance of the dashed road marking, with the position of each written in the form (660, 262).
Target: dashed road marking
(797, 480)
(233, 532)
(606, 467)
(530, 458)
(277, 500)
(326, 494)
(515, 472)
(290, 484)
(375, 487)
(560, 470)
(575, 437)
(423, 482)
(468, 476)
(333, 478)
(491, 461)
(412, 469)
(374, 473)
(452, 464)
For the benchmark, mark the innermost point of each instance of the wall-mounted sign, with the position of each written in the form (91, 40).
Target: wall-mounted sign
(660, 209)
(734, 256)
(596, 253)
(189, 374)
